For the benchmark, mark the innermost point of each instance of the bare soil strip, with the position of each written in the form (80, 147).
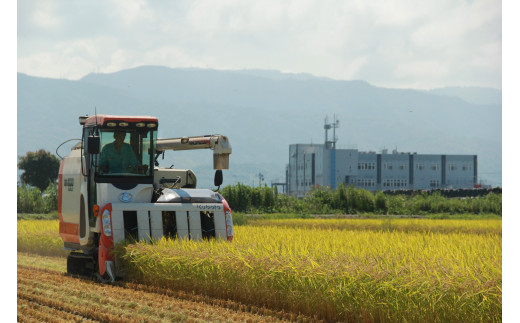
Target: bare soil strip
(47, 295)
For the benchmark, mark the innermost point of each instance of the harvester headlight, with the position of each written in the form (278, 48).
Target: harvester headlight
(123, 124)
(107, 223)
(151, 125)
(111, 124)
(140, 124)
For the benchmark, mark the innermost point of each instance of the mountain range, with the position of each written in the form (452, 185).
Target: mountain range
(263, 112)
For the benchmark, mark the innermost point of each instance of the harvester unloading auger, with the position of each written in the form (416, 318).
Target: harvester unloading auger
(111, 190)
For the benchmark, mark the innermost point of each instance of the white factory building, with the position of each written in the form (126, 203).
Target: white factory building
(312, 165)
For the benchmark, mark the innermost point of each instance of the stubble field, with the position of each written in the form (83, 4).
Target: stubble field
(311, 269)
(47, 294)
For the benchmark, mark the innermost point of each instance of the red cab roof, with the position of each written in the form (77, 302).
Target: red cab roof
(103, 118)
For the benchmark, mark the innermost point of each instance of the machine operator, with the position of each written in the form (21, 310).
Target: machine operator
(118, 156)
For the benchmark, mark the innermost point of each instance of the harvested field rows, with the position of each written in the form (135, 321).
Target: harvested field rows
(48, 295)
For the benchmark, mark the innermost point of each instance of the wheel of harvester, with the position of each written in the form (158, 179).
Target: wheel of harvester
(80, 264)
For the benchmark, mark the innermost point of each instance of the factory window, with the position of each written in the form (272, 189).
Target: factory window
(434, 183)
(452, 167)
(466, 167)
(365, 182)
(402, 166)
(435, 166)
(388, 166)
(399, 182)
(419, 166)
(366, 165)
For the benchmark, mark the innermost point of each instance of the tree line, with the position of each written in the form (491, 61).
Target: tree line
(39, 194)
(32, 200)
(350, 200)
(322, 200)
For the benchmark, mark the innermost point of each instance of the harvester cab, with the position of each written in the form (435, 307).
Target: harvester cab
(111, 190)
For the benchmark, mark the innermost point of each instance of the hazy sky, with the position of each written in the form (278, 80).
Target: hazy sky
(401, 43)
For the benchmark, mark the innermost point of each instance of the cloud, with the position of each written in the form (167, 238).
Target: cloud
(44, 18)
(132, 12)
(381, 42)
(422, 69)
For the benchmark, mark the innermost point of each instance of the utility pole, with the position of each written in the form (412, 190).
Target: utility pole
(331, 146)
(260, 179)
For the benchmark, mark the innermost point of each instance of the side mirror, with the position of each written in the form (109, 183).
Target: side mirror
(93, 144)
(218, 178)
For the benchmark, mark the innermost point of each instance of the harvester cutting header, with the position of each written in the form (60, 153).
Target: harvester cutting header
(111, 190)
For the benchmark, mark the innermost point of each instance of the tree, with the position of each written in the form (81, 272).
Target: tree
(40, 168)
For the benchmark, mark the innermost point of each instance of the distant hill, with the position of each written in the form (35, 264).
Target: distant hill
(262, 112)
(476, 95)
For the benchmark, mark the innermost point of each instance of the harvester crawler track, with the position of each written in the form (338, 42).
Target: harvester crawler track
(81, 264)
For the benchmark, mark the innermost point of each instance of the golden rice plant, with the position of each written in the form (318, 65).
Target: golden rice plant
(336, 270)
(40, 237)
(390, 224)
(337, 274)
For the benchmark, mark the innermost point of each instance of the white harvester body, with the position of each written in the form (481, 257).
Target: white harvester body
(111, 191)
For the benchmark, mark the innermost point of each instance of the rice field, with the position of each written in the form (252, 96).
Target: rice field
(45, 295)
(390, 224)
(40, 237)
(332, 269)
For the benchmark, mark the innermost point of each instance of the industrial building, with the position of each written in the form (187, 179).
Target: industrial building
(312, 165)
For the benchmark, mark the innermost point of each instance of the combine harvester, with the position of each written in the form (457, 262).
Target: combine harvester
(111, 190)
